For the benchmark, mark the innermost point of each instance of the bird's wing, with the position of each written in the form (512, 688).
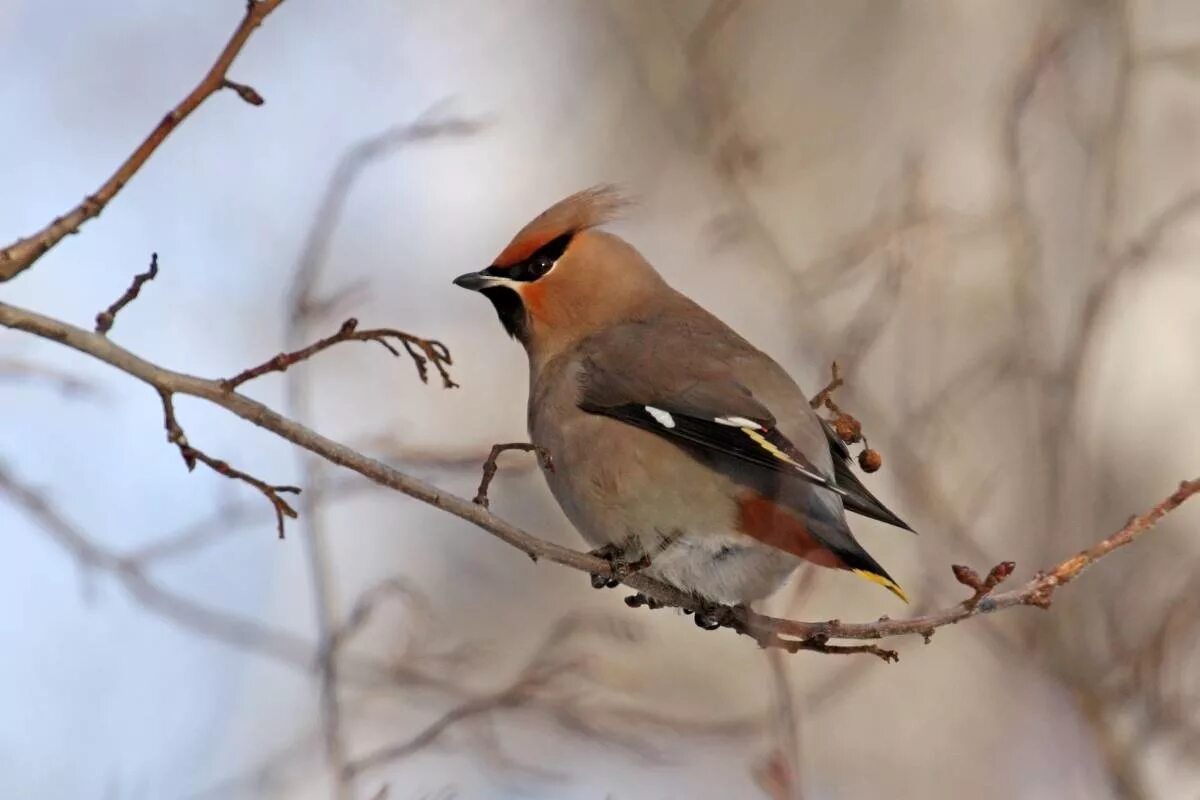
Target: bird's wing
(684, 385)
(689, 395)
(698, 403)
(752, 440)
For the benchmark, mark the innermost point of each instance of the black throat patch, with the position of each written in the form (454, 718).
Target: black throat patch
(511, 311)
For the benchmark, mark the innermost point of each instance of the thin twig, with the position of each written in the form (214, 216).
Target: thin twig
(835, 382)
(489, 466)
(23, 253)
(422, 352)
(106, 318)
(191, 455)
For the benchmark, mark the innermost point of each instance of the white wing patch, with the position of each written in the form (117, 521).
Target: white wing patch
(661, 417)
(738, 422)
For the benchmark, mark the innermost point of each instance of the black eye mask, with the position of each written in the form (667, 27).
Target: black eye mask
(537, 264)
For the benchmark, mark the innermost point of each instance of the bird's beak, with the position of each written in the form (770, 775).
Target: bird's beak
(478, 281)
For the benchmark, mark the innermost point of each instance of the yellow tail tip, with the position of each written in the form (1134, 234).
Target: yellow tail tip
(885, 582)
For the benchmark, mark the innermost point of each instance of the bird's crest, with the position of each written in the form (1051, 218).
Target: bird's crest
(582, 210)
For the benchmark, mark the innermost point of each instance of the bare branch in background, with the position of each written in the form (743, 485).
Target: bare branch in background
(1019, 361)
(21, 254)
(780, 772)
(577, 699)
(132, 573)
(129, 572)
(304, 309)
(555, 678)
(70, 385)
(512, 696)
(106, 318)
(365, 607)
(230, 516)
(303, 303)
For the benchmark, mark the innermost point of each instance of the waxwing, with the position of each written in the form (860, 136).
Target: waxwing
(674, 442)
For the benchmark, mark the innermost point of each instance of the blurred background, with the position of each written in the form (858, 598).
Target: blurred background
(987, 213)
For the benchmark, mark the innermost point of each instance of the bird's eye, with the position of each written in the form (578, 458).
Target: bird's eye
(538, 266)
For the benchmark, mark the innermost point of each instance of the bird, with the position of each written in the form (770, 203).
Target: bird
(675, 446)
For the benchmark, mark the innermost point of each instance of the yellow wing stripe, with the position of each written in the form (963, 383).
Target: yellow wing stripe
(762, 442)
(886, 583)
(774, 451)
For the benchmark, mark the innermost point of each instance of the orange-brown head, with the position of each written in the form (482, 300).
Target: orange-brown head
(561, 278)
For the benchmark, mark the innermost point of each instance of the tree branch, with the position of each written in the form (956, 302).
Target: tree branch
(768, 631)
(23, 253)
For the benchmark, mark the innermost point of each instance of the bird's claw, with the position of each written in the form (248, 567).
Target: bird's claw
(619, 564)
(602, 582)
(638, 600)
(711, 616)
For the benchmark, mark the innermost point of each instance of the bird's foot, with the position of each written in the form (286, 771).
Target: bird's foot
(620, 564)
(638, 600)
(711, 616)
